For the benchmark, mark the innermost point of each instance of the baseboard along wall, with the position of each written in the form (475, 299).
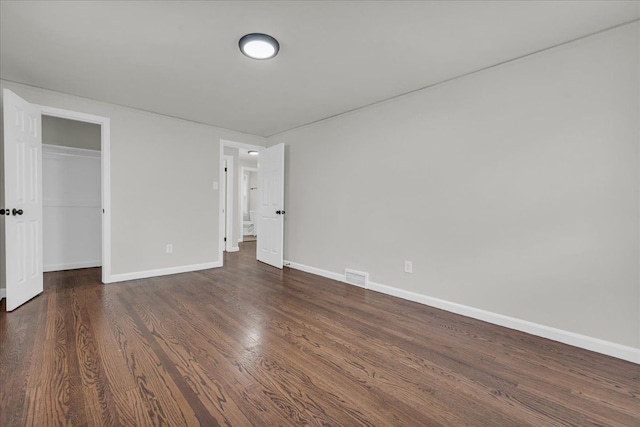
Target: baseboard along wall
(619, 351)
(71, 266)
(162, 272)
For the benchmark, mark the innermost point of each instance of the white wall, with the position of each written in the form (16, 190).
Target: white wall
(528, 184)
(162, 170)
(70, 133)
(72, 217)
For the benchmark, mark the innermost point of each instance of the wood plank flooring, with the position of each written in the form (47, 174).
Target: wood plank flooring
(248, 344)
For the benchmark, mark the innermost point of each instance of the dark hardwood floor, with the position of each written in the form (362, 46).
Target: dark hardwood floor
(248, 344)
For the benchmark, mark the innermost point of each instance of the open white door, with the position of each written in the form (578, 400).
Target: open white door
(271, 205)
(22, 199)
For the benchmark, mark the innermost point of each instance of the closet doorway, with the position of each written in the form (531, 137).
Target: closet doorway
(71, 194)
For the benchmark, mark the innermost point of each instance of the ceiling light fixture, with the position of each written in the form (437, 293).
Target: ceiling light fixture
(259, 46)
(253, 152)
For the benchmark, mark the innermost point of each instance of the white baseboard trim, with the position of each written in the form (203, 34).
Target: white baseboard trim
(619, 351)
(234, 249)
(3, 293)
(316, 271)
(162, 272)
(71, 266)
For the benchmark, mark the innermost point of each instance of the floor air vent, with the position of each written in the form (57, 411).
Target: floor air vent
(358, 278)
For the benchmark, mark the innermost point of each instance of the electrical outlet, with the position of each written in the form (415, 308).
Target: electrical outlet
(408, 267)
(169, 248)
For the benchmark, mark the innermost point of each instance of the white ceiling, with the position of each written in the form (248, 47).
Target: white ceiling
(182, 59)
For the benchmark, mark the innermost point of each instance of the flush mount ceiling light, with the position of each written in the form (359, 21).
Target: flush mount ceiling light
(259, 46)
(253, 152)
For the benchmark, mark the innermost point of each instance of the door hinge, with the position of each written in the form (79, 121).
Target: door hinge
(225, 239)
(225, 169)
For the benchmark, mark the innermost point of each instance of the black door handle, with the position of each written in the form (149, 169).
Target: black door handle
(16, 211)
(5, 212)
(278, 212)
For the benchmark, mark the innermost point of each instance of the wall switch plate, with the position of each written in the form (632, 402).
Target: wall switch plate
(408, 267)
(169, 248)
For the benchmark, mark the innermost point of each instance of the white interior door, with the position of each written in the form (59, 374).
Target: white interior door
(223, 189)
(271, 205)
(22, 199)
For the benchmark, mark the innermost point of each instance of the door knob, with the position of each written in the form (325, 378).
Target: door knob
(278, 212)
(5, 212)
(16, 211)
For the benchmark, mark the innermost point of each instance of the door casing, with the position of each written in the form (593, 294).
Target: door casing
(228, 188)
(105, 148)
(221, 226)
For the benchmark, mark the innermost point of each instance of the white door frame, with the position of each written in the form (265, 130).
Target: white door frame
(233, 144)
(240, 215)
(105, 153)
(230, 244)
